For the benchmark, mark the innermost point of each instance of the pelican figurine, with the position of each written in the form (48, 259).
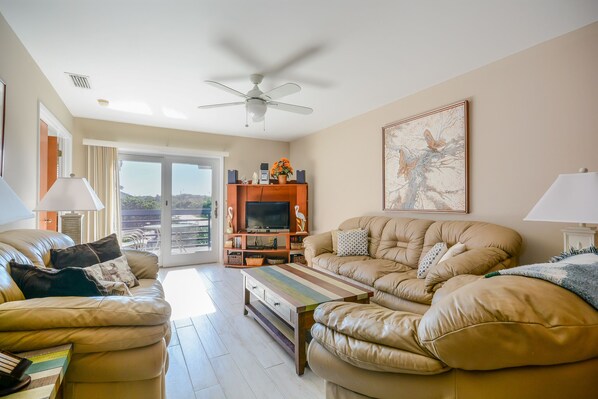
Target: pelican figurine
(300, 218)
(229, 221)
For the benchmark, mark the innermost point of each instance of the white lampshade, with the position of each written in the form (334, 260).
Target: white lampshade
(11, 206)
(70, 194)
(572, 198)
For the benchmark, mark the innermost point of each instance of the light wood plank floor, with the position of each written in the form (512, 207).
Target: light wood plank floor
(215, 351)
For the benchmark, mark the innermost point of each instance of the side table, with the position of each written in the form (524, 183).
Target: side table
(47, 372)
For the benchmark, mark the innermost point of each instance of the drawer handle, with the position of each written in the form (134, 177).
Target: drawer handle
(276, 303)
(253, 287)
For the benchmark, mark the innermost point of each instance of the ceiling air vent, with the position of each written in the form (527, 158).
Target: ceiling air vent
(80, 81)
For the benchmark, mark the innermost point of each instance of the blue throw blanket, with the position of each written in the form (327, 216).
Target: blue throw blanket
(579, 279)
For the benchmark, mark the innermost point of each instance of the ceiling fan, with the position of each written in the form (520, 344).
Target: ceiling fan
(257, 102)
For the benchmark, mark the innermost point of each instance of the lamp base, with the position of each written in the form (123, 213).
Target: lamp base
(579, 237)
(71, 225)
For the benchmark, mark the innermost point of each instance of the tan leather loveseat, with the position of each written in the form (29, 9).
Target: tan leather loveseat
(395, 248)
(119, 343)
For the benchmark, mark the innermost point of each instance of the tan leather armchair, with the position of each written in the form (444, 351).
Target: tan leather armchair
(119, 343)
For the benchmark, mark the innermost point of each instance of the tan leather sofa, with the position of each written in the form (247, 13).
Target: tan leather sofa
(119, 343)
(503, 337)
(395, 248)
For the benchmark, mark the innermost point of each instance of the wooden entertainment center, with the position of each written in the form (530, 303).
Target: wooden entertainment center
(247, 245)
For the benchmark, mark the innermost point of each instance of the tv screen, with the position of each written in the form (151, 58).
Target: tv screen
(262, 216)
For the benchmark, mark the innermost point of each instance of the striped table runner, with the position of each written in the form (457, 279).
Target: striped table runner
(305, 288)
(47, 372)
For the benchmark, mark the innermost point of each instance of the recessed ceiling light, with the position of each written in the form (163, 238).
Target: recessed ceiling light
(103, 102)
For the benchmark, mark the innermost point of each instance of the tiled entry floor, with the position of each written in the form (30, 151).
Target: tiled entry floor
(216, 352)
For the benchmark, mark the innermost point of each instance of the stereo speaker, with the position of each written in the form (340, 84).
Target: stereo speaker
(232, 176)
(300, 176)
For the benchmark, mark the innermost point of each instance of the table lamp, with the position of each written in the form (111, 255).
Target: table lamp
(71, 194)
(572, 198)
(12, 208)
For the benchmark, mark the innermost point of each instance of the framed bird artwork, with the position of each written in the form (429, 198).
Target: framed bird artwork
(425, 167)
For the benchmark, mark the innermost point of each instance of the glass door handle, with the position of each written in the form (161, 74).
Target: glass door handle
(215, 209)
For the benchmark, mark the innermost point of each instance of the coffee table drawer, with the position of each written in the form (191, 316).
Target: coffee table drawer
(276, 304)
(255, 288)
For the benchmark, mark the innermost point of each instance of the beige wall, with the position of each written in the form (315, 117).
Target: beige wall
(533, 115)
(25, 86)
(245, 154)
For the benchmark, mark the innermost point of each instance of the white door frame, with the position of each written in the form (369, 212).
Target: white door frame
(65, 162)
(166, 161)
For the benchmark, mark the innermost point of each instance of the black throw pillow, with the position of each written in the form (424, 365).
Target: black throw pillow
(36, 282)
(88, 254)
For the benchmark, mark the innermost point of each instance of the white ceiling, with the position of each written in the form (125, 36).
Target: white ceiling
(349, 56)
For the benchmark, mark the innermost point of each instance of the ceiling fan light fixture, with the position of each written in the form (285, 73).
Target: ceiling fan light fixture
(256, 108)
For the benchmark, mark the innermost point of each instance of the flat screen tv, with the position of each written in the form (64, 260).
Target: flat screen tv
(266, 216)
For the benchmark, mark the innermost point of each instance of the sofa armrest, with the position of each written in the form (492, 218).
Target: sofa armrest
(317, 245)
(475, 261)
(451, 285)
(81, 312)
(373, 338)
(144, 264)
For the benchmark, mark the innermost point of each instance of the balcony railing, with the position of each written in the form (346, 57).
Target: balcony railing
(190, 229)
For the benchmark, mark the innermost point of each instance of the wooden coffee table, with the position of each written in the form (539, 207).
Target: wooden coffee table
(287, 296)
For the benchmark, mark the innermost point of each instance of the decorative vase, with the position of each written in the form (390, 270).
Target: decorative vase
(282, 179)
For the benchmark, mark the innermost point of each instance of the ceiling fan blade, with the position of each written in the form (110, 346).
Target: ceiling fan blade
(282, 91)
(239, 50)
(225, 88)
(293, 60)
(298, 109)
(220, 105)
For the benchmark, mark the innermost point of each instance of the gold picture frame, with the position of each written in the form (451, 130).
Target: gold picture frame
(425, 161)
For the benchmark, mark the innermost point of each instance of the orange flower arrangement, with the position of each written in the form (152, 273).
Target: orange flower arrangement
(282, 167)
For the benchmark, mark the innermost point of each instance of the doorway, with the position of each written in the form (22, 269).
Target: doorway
(54, 151)
(169, 205)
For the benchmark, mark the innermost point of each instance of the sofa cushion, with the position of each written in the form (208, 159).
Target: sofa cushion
(372, 224)
(368, 271)
(430, 260)
(473, 235)
(36, 244)
(87, 254)
(405, 285)
(36, 282)
(352, 243)
(402, 240)
(114, 270)
(332, 262)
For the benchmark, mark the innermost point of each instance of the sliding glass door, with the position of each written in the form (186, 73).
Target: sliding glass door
(169, 205)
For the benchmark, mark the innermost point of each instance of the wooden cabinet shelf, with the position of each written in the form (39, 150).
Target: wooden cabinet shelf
(242, 241)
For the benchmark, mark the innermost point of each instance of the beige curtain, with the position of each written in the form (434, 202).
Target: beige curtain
(102, 173)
